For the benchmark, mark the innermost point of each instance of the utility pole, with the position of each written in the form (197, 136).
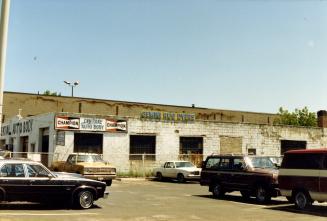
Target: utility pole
(3, 48)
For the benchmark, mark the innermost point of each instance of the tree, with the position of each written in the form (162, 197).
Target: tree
(297, 118)
(49, 93)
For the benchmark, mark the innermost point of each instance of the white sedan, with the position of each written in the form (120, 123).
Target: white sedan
(180, 170)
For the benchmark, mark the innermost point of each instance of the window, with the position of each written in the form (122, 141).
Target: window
(12, 170)
(142, 144)
(170, 165)
(238, 164)
(213, 163)
(191, 145)
(88, 143)
(252, 151)
(36, 171)
(183, 164)
(325, 162)
(302, 161)
(287, 145)
(224, 163)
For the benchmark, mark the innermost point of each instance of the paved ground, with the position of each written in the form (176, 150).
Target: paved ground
(139, 200)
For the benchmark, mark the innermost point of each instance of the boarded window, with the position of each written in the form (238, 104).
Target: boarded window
(230, 145)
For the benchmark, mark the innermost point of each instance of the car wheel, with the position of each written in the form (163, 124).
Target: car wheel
(159, 176)
(84, 199)
(302, 200)
(245, 194)
(217, 190)
(262, 195)
(180, 178)
(109, 182)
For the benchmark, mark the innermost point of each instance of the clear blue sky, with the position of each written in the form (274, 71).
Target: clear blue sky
(241, 55)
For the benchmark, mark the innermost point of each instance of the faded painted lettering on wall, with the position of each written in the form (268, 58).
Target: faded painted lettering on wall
(168, 116)
(18, 128)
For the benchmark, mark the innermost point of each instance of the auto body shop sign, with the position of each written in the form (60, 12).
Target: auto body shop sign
(90, 124)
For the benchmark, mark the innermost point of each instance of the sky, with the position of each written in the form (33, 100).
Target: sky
(248, 55)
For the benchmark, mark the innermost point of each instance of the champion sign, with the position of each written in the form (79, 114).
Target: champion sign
(116, 125)
(67, 123)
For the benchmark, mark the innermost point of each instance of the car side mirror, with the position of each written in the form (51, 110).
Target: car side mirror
(50, 176)
(203, 164)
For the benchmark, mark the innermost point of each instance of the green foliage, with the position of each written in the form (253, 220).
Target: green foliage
(49, 93)
(297, 118)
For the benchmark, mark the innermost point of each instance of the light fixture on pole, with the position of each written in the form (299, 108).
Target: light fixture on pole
(72, 85)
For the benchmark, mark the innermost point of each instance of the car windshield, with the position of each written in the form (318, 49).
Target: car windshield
(261, 162)
(89, 158)
(276, 160)
(183, 164)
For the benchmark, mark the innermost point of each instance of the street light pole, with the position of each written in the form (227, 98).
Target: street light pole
(72, 85)
(3, 47)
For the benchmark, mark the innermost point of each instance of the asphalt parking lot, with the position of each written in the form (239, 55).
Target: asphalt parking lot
(142, 200)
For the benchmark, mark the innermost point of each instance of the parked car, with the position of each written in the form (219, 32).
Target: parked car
(251, 175)
(180, 170)
(26, 180)
(5, 154)
(303, 176)
(91, 166)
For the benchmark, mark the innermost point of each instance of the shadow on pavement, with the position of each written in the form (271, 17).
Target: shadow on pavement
(315, 210)
(274, 204)
(167, 180)
(240, 199)
(38, 206)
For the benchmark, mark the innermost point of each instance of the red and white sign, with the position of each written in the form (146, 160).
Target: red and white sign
(116, 125)
(67, 123)
(90, 124)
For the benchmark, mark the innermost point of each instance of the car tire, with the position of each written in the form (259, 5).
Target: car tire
(245, 194)
(84, 199)
(159, 176)
(262, 195)
(108, 182)
(180, 178)
(302, 200)
(217, 191)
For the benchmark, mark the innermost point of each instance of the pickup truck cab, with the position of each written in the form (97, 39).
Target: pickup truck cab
(180, 170)
(90, 166)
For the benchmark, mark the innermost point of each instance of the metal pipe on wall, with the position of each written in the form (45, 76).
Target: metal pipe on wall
(3, 48)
